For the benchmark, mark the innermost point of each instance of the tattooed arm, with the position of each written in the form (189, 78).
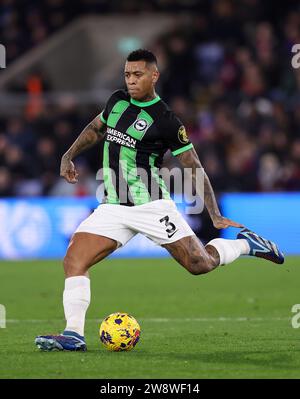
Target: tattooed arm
(189, 159)
(91, 135)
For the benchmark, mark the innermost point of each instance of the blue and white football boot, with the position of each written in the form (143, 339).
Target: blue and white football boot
(261, 247)
(68, 341)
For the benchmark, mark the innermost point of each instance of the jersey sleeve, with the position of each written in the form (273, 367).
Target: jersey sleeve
(175, 135)
(109, 105)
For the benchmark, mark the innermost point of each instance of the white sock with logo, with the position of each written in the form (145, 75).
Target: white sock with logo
(229, 250)
(76, 300)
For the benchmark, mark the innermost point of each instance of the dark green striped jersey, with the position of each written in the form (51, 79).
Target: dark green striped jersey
(137, 136)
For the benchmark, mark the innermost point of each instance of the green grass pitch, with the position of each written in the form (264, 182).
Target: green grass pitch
(234, 322)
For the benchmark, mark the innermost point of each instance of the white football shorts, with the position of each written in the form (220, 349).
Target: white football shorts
(158, 220)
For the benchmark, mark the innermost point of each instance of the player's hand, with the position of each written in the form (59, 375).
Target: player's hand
(220, 222)
(68, 171)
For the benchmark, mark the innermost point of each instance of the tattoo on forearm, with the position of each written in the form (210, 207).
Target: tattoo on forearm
(189, 159)
(90, 136)
(209, 197)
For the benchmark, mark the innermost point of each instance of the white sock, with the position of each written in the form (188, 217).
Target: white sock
(229, 250)
(76, 300)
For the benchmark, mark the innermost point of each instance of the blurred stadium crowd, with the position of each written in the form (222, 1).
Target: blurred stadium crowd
(225, 70)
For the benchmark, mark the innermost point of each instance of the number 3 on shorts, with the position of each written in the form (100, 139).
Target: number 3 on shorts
(171, 228)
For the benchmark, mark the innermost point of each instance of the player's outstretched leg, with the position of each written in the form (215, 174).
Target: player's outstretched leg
(85, 250)
(197, 259)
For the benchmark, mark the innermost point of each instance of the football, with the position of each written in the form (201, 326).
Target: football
(119, 332)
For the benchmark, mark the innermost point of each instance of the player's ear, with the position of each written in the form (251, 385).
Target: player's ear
(155, 76)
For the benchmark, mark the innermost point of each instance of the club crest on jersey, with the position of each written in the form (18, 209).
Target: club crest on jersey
(140, 125)
(182, 136)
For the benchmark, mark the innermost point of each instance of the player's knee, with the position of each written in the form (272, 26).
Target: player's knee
(72, 266)
(199, 265)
